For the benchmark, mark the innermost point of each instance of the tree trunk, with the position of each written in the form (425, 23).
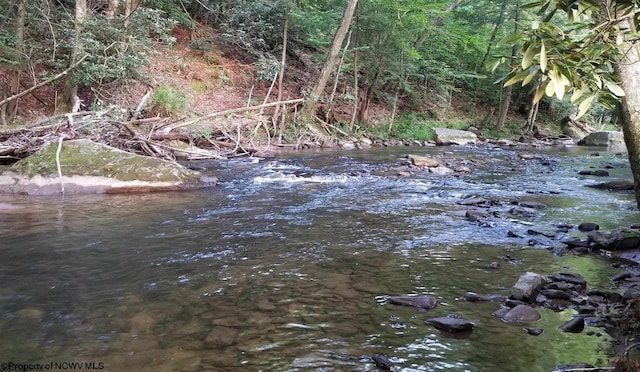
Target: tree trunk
(531, 118)
(112, 9)
(628, 70)
(9, 112)
(492, 39)
(283, 63)
(367, 96)
(506, 98)
(336, 80)
(329, 64)
(128, 9)
(355, 79)
(69, 101)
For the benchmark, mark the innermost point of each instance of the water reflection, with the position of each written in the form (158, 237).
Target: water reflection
(262, 273)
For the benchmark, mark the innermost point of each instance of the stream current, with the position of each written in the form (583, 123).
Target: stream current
(282, 266)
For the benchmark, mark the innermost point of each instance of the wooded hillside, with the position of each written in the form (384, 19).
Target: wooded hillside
(385, 67)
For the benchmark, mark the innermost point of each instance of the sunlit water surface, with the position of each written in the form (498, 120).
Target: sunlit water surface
(280, 266)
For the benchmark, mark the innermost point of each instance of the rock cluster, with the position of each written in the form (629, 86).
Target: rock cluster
(563, 291)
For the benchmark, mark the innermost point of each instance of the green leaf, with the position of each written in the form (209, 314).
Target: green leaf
(530, 77)
(614, 88)
(495, 65)
(584, 106)
(543, 56)
(516, 78)
(577, 93)
(549, 89)
(527, 58)
(534, 4)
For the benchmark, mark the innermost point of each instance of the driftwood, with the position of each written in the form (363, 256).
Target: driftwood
(569, 120)
(151, 136)
(229, 112)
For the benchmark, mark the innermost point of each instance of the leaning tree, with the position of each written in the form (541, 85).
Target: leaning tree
(589, 49)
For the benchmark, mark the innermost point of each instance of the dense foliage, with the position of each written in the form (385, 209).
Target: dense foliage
(416, 52)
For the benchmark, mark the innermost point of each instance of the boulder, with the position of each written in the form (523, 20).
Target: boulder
(446, 136)
(475, 215)
(423, 161)
(521, 314)
(555, 294)
(617, 240)
(603, 138)
(616, 185)
(88, 167)
(441, 170)
(575, 325)
(588, 226)
(572, 278)
(527, 287)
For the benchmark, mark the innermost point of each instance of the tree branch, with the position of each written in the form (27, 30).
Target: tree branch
(46, 82)
(231, 111)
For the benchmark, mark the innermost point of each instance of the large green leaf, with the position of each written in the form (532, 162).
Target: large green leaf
(527, 57)
(584, 106)
(543, 56)
(614, 88)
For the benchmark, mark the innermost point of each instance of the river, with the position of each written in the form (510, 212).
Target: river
(283, 265)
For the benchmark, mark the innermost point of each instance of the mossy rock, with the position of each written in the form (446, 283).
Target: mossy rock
(90, 167)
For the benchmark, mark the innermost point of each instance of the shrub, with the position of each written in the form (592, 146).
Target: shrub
(170, 100)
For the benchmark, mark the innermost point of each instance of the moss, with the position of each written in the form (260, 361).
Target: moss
(87, 158)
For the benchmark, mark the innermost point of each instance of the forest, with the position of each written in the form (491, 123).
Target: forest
(325, 70)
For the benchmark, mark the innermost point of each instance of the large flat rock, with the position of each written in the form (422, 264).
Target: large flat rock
(446, 136)
(88, 167)
(603, 138)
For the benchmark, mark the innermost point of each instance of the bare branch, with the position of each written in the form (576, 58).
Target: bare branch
(46, 82)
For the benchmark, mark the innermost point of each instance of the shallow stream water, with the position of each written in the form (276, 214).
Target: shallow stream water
(282, 266)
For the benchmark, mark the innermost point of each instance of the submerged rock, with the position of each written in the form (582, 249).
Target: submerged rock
(474, 297)
(423, 161)
(597, 173)
(88, 167)
(533, 331)
(521, 314)
(420, 302)
(617, 185)
(451, 324)
(383, 362)
(574, 367)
